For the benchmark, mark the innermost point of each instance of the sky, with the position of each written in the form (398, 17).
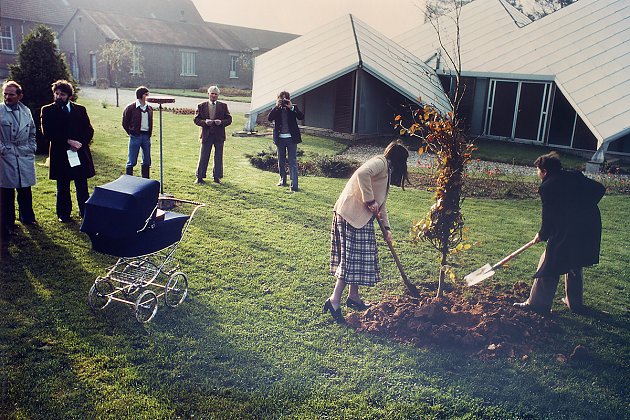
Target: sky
(391, 17)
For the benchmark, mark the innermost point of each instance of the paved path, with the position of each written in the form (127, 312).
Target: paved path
(126, 96)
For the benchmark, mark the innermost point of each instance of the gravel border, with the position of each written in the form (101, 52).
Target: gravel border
(362, 153)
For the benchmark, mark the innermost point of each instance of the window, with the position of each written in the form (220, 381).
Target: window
(93, 66)
(6, 39)
(136, 66)
(188, 63)
(233, 66)
(517, 110)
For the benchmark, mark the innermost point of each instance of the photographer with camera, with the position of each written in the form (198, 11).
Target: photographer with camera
(286, 136)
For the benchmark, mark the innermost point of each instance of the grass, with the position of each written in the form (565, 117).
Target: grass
(251, 342)
(504, 151)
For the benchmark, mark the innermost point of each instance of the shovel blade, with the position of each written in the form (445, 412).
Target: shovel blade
(479, 275)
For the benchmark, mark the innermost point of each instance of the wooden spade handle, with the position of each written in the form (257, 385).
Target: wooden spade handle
(513, 254)
(411, 288)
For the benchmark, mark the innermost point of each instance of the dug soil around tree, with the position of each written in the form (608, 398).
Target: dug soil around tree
(479, 322)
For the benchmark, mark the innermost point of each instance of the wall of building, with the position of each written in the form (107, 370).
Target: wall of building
(80, 37)
(161, 64)
(20, 29)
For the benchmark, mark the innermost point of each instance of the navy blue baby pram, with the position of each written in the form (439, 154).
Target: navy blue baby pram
(125, 218)
(120, 218)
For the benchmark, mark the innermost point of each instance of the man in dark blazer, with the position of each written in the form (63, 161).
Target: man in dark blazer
(67, 127)
(286, 136)
(572, 227)
(212, 116)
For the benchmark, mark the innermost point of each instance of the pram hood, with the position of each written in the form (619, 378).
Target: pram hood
(118, 219)
(120, 208)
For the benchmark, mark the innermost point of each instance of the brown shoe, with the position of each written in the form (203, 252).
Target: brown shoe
(527, 307)
(578, 309)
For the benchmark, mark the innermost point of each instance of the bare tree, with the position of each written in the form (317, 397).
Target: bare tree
(444, 137)
(537, 9)
(543, 8)
(117, 54)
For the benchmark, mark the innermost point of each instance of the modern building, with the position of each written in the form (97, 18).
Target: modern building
(561, 81)
(347, 77)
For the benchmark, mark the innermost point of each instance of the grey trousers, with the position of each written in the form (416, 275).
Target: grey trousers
(544, 289)
(204, 158)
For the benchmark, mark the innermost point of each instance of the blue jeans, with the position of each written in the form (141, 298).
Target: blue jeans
(283, 146)
(137, 142)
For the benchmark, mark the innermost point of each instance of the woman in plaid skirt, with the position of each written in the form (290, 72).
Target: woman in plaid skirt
(354, 255)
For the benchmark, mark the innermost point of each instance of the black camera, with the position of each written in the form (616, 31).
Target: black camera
(285, 102)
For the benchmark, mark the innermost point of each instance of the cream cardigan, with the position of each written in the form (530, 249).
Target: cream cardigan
(368, 183)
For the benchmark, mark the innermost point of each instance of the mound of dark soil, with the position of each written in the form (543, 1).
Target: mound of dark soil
(482, 323)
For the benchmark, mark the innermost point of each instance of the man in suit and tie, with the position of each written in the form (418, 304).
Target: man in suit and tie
(67, 127)
(17, 159)
(212, 116)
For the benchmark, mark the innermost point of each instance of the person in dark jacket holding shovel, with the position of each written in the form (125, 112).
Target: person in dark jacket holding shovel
(571, 226)
(354, 257)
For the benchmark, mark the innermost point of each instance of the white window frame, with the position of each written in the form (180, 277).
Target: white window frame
(93, 67)
(542, 118)
(136, 67)
(189, 59)
(233, 66)
(7, 38)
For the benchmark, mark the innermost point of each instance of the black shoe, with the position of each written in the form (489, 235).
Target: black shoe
(335, 313)
(294, 189)
(358, 305)
(217, 180)
(281, 184)
(66, 219)
(199, 181)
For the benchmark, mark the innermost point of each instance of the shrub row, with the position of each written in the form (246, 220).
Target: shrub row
(316, 165)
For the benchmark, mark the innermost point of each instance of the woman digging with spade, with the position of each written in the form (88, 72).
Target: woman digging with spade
(354, 254)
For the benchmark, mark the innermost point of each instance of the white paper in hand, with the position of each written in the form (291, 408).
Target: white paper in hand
(73, 158)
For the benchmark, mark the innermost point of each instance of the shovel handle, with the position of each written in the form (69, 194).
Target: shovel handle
(411, 288)
(513, 254)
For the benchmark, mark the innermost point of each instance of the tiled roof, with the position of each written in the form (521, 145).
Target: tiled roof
(584, 48)
(51, 12)
(171, 10)
(151, 31)
(254, 38)
(334, 50)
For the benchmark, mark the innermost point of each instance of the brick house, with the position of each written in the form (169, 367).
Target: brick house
(169, 53)
(19, 17)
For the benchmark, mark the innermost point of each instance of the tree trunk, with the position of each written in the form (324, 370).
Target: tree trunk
(440, 290)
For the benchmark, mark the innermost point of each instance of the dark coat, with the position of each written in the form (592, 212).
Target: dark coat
(132, 119)
(59, 126)
(571, 222)
(221, 113)
(275, 115)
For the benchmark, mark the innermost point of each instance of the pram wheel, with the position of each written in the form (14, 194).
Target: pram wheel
(100, 294)
(176, 289)
(146, 306)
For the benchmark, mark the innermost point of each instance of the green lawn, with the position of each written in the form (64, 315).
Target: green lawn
(250, 341)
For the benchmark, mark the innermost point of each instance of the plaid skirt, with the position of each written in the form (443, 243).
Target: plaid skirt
(353, 253)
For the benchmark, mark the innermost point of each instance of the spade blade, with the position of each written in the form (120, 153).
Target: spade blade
(479, 275)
